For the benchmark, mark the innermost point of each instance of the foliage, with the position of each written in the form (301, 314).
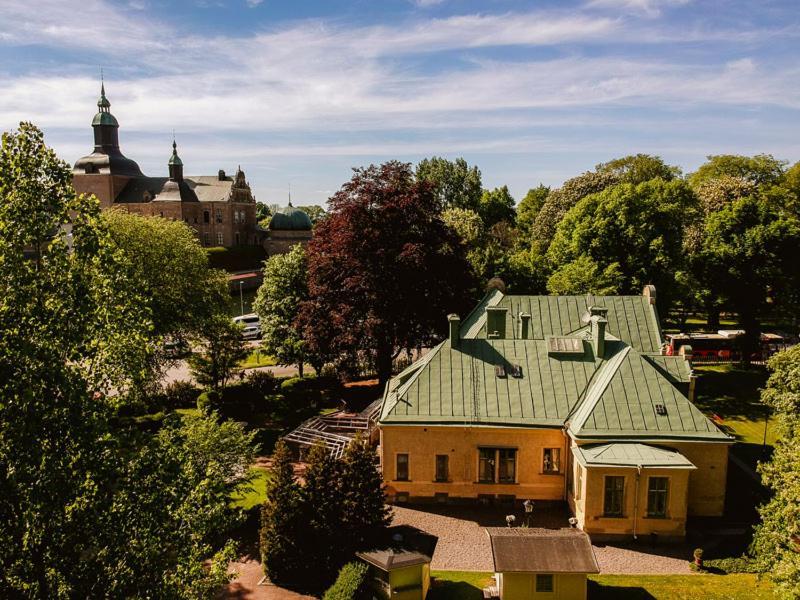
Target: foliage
(315, 212)
(584, 276)
(736, 564)
(209, 401)
(466, 223)
(262, 382)
(639, 168)
(455, 183)
(277, 303)
(262, 211)
(762, 169)
(628, 235)
(496, 206)
(561, 200)
(383, 269)
(282, 521)
(529, 207)
(776, 544)
(351, 584)
(181, 394)
(223, 350)
(238, 258)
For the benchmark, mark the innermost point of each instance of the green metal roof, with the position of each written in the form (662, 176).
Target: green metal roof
(630, 455)
(630, 318)
(620, 396)
(105, 118)
(290, 219)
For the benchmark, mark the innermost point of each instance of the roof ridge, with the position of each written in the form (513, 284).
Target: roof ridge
(595, 389)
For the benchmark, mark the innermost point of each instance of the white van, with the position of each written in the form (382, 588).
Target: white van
(251, 326)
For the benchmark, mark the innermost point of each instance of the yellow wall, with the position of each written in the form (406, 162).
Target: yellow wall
(410, 583)
(522, 586)
(590, 516)
(708, 483)
(422, 444)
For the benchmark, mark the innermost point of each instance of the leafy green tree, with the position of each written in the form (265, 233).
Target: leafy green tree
(314, 212)
(364, 509)
(262, 211)
(455, 183)
(172, 272)
(638, 168)
(762, 169)
(529, 207)
(282, 520)
(584, 276)
(466, 223)
(776, 544)
(496, 206)
(633, 236)
(223, 350)
(88, 508)
(561, 200)
(277, 303)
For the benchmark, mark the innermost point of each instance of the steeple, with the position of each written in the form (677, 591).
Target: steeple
(175, 163)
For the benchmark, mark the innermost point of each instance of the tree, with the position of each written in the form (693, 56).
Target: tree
(282, 521)
(584, 276)
(559, 202)
(529, 207)
(224, 350)
(762, 169)
(314, 212)
(638, 168)
(496, 206)
(632, 235)
(277, 303)
(364, 509)
(776, 543)
(455, 183)
(171, 270)
(383, 269)
(90, 508)
(262, 211)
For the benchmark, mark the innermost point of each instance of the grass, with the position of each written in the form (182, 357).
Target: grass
(467, 585)
(257, 358)
(253, 493)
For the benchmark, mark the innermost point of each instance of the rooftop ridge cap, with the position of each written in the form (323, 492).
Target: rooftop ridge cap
(401, 390)
(595, 390)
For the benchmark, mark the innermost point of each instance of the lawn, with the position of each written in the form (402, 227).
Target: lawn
(466, 585)
(253, 494)
(257, 358)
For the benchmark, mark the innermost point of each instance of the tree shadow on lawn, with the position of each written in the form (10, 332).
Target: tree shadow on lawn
(732, 392)
(598, 591)
(546, 514)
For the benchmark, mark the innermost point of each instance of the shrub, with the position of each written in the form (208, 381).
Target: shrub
(262, 382)
(208, 401)
(350, 584)
(735, 564)
(181, 394)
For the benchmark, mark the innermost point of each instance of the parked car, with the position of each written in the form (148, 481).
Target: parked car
(251, 332)
(251, 326)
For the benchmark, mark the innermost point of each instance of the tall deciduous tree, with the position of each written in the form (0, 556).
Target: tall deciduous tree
(277, 303)
(455, 183)
(776, 543)
(638, 168)
(528, 208)
(223, 350)
(383, 269)
(496, 206)
(762, 169)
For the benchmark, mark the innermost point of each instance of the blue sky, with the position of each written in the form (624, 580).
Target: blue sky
(298, 92)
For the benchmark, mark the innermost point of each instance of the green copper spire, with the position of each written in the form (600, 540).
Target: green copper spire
(175, 159)
(104, 116)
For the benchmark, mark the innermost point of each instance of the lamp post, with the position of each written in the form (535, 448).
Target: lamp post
(241, 299)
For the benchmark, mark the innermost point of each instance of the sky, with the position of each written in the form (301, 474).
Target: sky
(300, 92)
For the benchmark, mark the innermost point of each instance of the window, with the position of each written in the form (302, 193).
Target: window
(219, 215)
(236, 216)
(402, 467)
(206, 240)
(195, 218)
(544, 583)
(220, 240)
(551, 463)
(237, 238)
(497, 465)
(657, 496)
(442, 467)
(614, 496)
(206, 216)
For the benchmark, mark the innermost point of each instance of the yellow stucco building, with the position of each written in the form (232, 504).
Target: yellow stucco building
(557, 398)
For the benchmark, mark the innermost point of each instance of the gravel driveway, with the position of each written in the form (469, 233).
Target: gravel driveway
(464, 546)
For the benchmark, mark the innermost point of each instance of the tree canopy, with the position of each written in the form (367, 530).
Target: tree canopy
(761, 169)
(455, 183)
(383, 270)
(496, 205)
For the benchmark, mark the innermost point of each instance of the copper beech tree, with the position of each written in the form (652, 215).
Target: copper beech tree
(383, 270)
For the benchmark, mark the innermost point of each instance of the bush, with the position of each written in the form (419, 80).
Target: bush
(351, 583)
(208, 401)
(736, 564)
(181, 394)
(262, 382)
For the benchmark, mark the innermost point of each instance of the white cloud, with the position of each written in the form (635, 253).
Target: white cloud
(253, 3)
(651, 8)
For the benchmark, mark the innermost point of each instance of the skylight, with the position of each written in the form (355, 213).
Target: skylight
(564, 345)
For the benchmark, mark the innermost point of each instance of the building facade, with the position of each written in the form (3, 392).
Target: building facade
(557, 398)
(220, 208)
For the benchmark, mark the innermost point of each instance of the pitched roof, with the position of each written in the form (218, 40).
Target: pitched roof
(524, 550)
(204, 188)
(630, 455)
(393, 558)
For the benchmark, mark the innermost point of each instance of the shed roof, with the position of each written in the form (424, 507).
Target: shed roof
(630, 455)
(524, 550)
(393, 558)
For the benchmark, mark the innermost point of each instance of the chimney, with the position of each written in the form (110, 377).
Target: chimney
(455, 328)
(221, 175)
(598, 322)
(650, 293)
(524, 326)
(496, 322)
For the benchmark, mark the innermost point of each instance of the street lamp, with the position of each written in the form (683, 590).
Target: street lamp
(241, 299)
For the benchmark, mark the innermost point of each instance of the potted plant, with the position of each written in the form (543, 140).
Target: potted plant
(698, 558)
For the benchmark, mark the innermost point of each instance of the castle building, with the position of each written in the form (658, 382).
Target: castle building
(220, 208)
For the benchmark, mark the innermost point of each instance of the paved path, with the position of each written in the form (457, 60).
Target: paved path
(464, 546)
(245, 586)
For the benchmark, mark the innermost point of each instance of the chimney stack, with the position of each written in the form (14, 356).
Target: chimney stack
(496, 322)
(455, 329)
(598, 324)
(524, 326)
(649, 292)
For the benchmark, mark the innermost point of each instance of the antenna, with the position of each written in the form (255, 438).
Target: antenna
(290, 193)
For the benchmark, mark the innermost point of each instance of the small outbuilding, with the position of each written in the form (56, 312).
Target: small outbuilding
(532, 564)
(397, 573)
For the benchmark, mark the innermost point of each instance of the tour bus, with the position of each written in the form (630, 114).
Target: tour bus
(723, 346)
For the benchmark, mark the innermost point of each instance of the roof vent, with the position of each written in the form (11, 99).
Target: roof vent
(500, 371)
(516, 371)
(564, 345)
(496, 322)
(661, 409)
